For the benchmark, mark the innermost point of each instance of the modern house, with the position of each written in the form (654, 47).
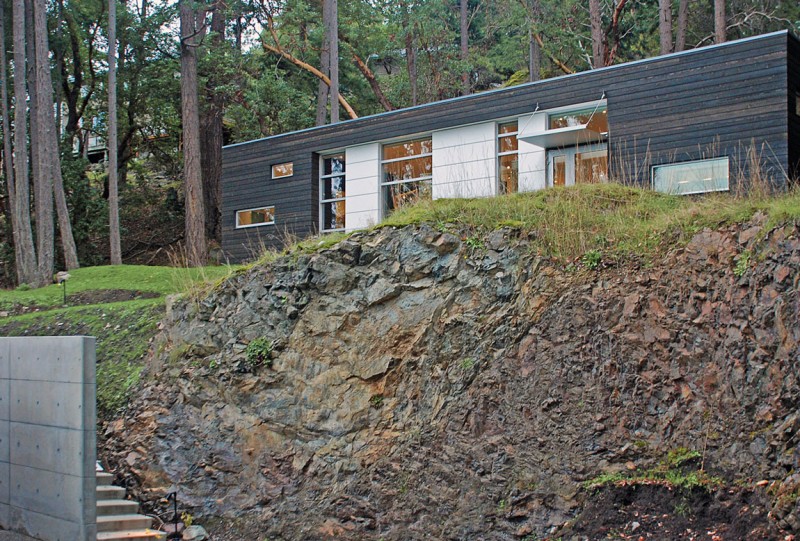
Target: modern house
(689, 122)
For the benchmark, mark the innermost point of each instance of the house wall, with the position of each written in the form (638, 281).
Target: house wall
(714, 101)
(362, 201)
(465, 161)
(793, 74)
(532, 158)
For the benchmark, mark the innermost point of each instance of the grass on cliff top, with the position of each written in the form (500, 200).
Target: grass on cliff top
(569, 222)
(160, 280)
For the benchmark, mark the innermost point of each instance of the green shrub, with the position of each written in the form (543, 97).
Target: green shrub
(258, 353)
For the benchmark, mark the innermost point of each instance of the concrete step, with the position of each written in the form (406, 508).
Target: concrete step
(116, 507)
(110, 492)
(104, 478)
(127, 522)
(131, 534)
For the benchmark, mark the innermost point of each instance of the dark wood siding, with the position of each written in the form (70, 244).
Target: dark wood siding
(794, 108)
(724, 100)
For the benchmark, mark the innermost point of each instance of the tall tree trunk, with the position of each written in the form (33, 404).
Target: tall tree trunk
(323, 90)
(211, 131)
(8, 161)
(596, 22)
(719, 21)
(411, 56)
(665, 25)
(24, 251)
(534, 50)
(683, 19)
(51, 158)
(113, 178)
(332, 29)
(464, 33)
(192, 174)
(41, 164)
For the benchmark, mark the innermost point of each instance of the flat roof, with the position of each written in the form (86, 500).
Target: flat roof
(387, 114)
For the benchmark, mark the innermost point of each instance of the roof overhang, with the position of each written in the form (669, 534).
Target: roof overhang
(562, 137)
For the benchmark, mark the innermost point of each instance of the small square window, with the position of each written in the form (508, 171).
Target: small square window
(281, 170)
(692, 177)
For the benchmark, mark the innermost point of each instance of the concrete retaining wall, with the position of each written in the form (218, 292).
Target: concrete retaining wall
(47, 437)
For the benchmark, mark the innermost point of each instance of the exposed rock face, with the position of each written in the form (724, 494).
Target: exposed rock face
(423, 389)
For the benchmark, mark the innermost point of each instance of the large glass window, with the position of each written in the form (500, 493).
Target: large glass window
(595, 119)
(692, 177)
(508, 157)
(586, 164)
(255, 217)
(407, 169)
(332, 193)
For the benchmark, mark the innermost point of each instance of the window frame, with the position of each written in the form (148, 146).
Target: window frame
(238, 226)
(385, 211)
(500, 189)
(284, 164)
(570, 164)
(324, 177)
(685, 163)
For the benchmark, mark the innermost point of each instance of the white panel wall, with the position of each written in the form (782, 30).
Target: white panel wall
(532, 158)
(362, 202)
(464, 161)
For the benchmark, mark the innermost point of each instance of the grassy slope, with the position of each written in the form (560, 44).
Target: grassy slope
(123, 329)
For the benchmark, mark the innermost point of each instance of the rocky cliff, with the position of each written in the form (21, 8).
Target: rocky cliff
(422, 384)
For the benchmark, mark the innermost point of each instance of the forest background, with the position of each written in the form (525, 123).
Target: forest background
(163, 85)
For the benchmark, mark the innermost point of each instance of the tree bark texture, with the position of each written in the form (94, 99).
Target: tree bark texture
(192, 174)
(464, 33)
(683, 20)
(332, 29)
(720, 25)
(24, 250)
(211, 133)
(665, 25)
(113, 178)
(534, 50)
(596, 23)
(323, 90)
(8, 161)
(411, 56)
(50, 157)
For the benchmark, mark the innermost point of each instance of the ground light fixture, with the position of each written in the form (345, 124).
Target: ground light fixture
(61, 279)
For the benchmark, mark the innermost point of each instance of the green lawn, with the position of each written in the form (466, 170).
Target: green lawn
(160, 280)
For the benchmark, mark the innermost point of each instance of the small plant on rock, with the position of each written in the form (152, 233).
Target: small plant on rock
(258, 353)
(376, 401)
(592, 259)
(742, 263)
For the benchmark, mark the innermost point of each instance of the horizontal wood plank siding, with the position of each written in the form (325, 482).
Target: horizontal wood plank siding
(794, 108)
(722, 100)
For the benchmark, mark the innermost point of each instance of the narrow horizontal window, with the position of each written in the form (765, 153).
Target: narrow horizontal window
(692, 177)
(281, 170)
(255, 217)
(595, 119)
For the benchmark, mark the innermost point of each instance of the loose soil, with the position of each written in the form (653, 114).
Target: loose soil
(95, 296)
(640, 512)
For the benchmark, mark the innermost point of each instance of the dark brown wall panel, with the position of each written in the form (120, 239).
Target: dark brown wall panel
(723, 100)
